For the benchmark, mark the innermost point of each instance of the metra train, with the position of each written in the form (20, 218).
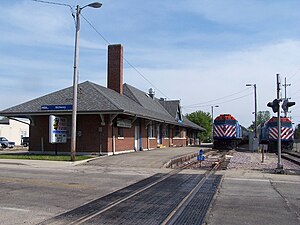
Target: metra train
(269, 133)
(227, 132)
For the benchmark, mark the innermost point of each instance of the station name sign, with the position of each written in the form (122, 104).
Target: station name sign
(56, 107)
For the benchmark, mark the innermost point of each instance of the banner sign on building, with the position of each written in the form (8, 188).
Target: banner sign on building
(56, 107)
(57, 129)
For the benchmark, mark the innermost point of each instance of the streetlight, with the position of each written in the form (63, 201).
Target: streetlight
(255, 108)
(75, 78)
(212, 119)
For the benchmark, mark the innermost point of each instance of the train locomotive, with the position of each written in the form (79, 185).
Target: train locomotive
(227, 132)
(269, 133)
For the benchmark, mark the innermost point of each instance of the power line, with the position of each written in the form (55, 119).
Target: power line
(218, 103)
(86, 20)
(294, 74)
(126, 60)
(214, 100)
(102, 36)
(59, 4)
(52, 3)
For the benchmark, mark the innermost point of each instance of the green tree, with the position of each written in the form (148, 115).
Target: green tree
(262, 117)
(297, 132)
(204, 120)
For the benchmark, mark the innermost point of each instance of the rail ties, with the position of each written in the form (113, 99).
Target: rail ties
(192, 209)
(195, 211)
(291, 156)
(172, 198)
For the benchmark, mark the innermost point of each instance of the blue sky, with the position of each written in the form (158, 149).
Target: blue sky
(193, 50)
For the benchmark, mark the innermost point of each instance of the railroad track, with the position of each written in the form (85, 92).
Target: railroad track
(172, 198)
(291, 156)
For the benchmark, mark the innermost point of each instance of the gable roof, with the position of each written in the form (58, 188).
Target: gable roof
(94, 98)
(144, 99)
(171, 106)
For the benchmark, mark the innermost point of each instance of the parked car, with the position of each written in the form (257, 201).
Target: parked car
(25, 141)
(6, 143)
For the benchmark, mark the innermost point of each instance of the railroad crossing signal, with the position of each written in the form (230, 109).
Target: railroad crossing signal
(286, 104)
(274, 105)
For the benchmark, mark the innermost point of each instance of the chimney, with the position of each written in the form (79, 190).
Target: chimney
(115, 68)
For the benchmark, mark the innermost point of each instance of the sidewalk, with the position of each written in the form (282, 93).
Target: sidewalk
(251, 193)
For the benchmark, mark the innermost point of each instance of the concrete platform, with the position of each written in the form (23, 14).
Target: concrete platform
(254, 197)
(144, 159)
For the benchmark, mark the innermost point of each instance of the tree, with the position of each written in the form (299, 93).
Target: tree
(204, 120)
(262, 117)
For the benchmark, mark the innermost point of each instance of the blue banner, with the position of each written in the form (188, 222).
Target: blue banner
(56, 107)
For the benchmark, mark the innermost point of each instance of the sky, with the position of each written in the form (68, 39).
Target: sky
(202, 52)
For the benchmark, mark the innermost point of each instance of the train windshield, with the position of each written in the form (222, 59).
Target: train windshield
(283, 124)
(229, 122)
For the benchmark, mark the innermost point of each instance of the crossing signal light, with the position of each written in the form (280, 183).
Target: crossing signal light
(274, 105)
(286, 104)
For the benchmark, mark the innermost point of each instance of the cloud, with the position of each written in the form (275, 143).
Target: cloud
(243, 12)
(208, 78)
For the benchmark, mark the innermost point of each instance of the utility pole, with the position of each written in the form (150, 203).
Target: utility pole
(75, 77)
(255, 112)
(75, 84)
(279, 164)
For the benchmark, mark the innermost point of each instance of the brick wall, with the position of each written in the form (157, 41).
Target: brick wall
(95, 138)
(87, 126)
(39, 137)
(126, 143)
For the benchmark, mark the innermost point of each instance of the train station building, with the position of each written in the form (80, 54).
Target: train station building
(115, 119)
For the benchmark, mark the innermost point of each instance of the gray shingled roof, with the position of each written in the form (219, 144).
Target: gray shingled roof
(93, 98)
(171, 106)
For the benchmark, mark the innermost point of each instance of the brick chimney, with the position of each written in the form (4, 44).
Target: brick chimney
(115, 68)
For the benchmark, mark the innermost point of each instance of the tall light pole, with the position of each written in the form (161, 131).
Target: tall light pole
(212, 121)
(255, 109)
(75, 77)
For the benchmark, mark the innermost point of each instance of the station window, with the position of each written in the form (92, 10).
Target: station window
(151, 132)
(176, 132)
(166, 132)
(184, 134)
(120, 132)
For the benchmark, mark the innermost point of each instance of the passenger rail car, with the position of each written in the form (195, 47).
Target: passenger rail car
(269, 133)
(227, 132)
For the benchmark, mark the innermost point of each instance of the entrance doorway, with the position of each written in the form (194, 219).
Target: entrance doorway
(137, 138)
(159, 135)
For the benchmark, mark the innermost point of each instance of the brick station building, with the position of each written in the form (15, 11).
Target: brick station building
(112, 120)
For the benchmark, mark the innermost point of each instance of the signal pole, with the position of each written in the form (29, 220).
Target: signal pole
(285, 96)
(279, 164)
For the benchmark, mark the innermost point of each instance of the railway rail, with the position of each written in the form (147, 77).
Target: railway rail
(294, 157)
(172, 198)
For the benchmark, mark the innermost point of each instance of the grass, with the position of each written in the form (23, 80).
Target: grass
(43, 157)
